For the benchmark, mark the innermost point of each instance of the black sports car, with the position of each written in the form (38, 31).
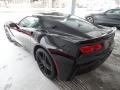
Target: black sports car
(63, 45)
(109, 18)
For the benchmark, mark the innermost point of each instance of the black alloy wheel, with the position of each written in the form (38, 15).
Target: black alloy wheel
(45, 63)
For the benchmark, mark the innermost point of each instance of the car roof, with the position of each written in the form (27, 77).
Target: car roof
(52, 15)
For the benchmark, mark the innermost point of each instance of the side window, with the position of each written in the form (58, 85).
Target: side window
(30, 22)
(24, 22)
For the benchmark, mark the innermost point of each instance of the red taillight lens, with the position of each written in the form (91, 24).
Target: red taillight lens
(98, 46)
(87, 49)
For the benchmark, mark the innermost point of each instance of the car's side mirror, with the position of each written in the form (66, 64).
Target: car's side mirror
(14, 25)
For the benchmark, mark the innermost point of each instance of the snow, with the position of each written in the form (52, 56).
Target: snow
(19, 71)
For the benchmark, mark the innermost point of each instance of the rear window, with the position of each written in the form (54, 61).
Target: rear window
(79, 24)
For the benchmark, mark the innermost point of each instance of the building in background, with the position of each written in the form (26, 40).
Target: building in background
(90, 4)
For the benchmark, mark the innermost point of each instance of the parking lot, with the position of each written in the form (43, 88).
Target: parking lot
(19, 71)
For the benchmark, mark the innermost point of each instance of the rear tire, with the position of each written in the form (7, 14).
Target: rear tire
(45, 63)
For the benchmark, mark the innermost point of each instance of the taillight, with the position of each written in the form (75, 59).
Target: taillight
(98, 46)
(87, 49)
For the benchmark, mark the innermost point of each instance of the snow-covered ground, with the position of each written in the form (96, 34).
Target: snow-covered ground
(19, 71)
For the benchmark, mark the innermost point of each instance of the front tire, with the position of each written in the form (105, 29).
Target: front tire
(45, 63)
(8, 34)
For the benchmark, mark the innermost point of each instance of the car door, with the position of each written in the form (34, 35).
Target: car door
(26, 28)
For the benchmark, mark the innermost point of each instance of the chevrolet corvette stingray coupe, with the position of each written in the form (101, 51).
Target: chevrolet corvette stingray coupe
(63, 45)
(108, 18)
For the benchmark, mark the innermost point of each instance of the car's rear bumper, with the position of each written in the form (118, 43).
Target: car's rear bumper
(91, 64)
(68, 68)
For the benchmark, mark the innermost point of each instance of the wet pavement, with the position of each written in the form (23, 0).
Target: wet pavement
(19, 71)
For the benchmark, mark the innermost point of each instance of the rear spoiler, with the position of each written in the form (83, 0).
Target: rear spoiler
(111, 29)
(110, 34)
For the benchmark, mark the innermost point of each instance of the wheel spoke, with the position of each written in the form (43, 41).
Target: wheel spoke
(44, 56)
(47, 64)
(48, 67)
(39, 56)
(40, 63)
(45, 70)
(41, 66)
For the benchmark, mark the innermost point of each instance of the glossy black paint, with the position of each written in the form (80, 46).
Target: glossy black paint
(62, 42)
(108, 18)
